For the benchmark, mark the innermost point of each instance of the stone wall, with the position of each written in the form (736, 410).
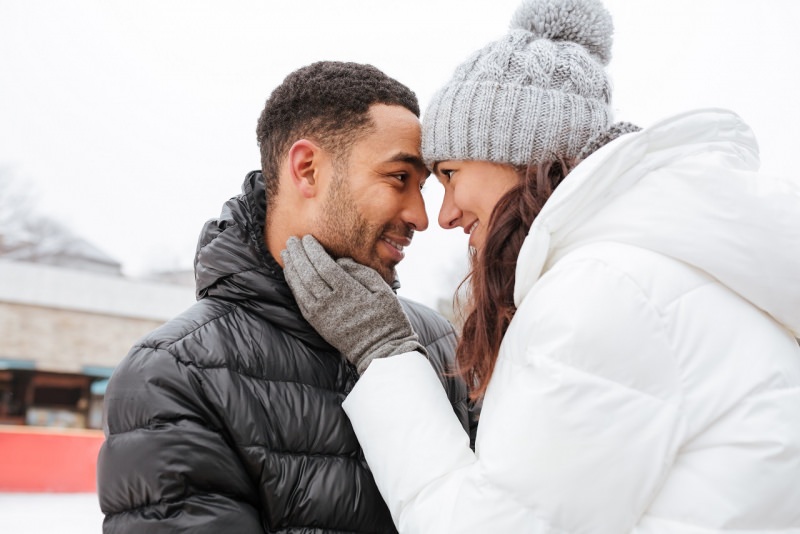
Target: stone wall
(67, 340)
(65, 320)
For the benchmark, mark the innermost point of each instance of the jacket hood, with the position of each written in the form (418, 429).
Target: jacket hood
(687, 188)
(232, 263)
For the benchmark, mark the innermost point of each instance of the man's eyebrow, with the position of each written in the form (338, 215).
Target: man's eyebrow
(412, 159)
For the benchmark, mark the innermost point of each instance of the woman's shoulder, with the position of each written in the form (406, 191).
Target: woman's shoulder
(599, 312)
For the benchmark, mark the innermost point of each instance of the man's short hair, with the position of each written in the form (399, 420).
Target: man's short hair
(327, 102)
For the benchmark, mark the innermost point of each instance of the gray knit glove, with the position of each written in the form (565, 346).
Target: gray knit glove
(348, 304)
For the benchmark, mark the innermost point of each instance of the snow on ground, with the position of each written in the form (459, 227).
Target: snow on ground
(40, 513)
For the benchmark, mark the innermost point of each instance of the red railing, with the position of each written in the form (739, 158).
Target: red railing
(35, 459)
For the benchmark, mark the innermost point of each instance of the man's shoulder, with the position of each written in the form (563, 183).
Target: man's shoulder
(435, 333)
(429, 324)
(216, 333)
(438, 336)
(202, 317)
(207, 333)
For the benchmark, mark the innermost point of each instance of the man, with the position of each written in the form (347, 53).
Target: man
(228, 418)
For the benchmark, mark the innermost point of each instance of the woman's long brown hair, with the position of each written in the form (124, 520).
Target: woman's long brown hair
(490, 298)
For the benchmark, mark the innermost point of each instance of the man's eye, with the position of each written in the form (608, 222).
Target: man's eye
(401, 176)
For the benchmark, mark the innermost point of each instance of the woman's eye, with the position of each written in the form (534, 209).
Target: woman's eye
(448, 173)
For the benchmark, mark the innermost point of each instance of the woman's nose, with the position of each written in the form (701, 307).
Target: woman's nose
(449, 213)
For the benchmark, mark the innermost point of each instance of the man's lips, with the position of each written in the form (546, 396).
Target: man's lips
(395, 246)
(397, 242)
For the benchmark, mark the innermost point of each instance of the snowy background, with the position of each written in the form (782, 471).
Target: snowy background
(134, 121)
(22, 513)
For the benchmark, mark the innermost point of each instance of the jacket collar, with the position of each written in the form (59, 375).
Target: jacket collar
(687, 188)
(232, 262)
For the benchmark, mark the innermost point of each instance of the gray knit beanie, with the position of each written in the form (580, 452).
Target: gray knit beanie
(536, 95)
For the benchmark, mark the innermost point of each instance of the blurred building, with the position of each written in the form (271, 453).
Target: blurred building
(66, 320)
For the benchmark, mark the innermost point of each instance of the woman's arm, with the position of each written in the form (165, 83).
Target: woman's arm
(579, 426)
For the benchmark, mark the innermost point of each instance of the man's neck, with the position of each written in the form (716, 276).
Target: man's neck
(280, 226)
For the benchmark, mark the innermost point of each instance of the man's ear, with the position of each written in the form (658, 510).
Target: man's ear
(304, 160)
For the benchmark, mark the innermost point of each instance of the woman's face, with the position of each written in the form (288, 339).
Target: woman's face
(471, 191)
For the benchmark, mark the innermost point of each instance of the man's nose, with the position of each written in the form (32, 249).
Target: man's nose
(415, 214)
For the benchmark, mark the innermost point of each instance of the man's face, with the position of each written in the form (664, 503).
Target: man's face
(374, 204)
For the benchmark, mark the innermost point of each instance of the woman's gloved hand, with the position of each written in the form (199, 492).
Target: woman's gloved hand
(347, 303)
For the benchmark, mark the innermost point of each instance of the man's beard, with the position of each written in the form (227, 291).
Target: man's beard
(345, 233)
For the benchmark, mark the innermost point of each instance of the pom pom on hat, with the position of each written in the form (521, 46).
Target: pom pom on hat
(585, 22)
(536, 95)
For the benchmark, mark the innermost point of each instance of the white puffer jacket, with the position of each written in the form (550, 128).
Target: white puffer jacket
(650, 379)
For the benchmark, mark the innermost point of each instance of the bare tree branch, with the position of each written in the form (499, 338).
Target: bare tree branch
(24, 233)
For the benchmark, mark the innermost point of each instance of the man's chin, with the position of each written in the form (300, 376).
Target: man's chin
(387, 271)
(389, 274)
(390, 277)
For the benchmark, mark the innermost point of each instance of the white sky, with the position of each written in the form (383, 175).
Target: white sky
(134, 121)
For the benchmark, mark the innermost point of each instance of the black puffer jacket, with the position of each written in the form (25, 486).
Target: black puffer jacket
(228, 418)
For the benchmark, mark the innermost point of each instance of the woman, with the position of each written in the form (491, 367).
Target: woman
(633, 314)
